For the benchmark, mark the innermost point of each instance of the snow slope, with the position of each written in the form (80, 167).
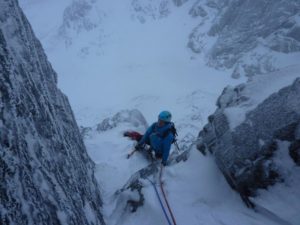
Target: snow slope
(257, 90)
(122, 61)
(196, 189)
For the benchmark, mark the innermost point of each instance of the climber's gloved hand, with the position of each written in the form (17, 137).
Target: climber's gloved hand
(164, 163)
(138, 147)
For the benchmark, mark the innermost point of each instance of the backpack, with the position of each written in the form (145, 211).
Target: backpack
(174, 132)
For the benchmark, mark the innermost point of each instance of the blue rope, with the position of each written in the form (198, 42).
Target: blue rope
(161, 204)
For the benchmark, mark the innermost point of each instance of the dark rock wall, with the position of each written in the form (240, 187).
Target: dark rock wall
(46, 174)
(244, 154)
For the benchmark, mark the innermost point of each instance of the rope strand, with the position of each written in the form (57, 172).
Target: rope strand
(165, 197)
(161, 204)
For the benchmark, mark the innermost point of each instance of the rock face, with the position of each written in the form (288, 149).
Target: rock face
(250, 35)
(246, 37)
(154, 10)
(46, 174)
(144, 10)
(244, 151)
(79, 16)
(133, 117)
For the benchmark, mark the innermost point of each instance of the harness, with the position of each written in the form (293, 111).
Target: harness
(163, 135)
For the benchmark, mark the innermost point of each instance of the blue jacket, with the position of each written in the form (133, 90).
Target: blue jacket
(159, 138)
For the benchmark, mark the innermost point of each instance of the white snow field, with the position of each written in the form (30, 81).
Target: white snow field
(196, 189)
(121, 63)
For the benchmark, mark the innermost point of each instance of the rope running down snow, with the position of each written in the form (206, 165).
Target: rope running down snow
(161, 204)
(165, 197)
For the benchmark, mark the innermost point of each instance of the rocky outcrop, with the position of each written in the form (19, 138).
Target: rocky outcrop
(294, 151)
(144, 10)
(250, 35)
(133, 117)
(79, 16)
(197, 10)
(153, 10)
(206, 11)
(245, 37)
(179, 2)
(46, 175)
(244, 136)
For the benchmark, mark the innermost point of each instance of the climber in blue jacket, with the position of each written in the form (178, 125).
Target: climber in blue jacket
(160, 136)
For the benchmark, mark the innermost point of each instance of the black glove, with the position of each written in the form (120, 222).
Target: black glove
(164, 163)
(138, 147)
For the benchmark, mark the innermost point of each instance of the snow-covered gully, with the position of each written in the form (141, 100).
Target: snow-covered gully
(226, 69)
(194, 186)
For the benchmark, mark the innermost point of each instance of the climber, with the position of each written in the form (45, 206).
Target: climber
(160, 136)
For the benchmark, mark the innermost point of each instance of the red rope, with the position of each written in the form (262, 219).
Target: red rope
(165, 197)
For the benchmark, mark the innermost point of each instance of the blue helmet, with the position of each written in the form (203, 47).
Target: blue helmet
(165, 116)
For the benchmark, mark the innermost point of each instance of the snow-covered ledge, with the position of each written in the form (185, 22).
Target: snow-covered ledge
(247, 129)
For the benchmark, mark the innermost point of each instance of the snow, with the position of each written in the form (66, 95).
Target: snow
(89, 212)
(197, 192)
(127, 59)
(123, 64)
(235, 116)
(282, 198)
(258, 89)
(63, 218)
